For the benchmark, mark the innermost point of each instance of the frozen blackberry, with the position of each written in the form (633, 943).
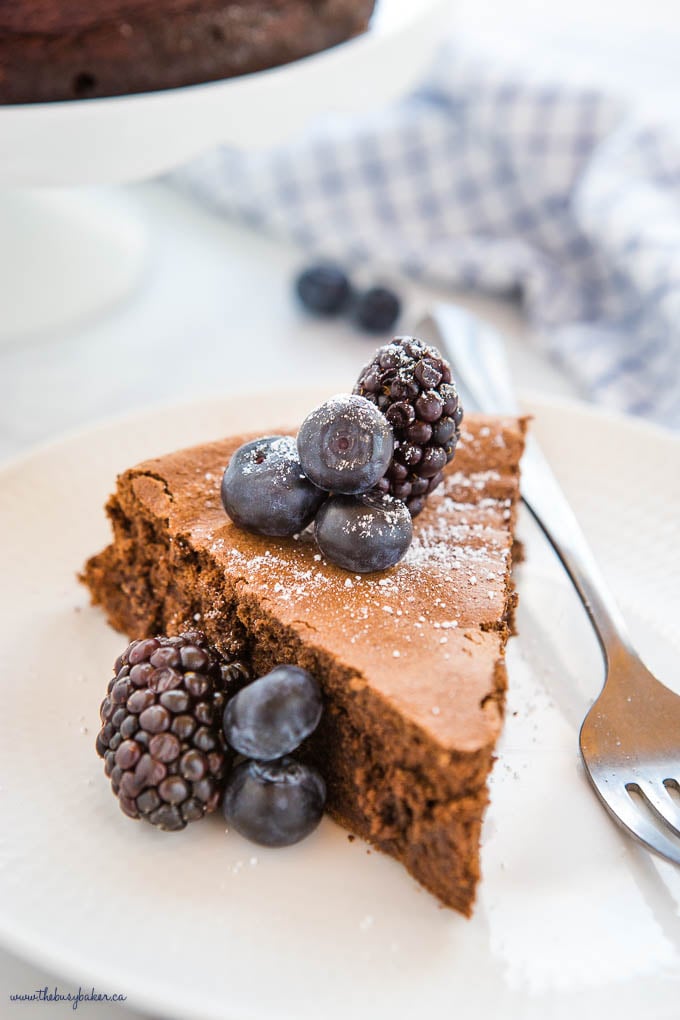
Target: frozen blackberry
(161, 737)
(411, 384)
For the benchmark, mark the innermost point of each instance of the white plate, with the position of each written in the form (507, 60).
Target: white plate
(128, 138)
(572, 918)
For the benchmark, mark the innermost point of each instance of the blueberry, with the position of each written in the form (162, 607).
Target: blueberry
(345, 445)
(265, 490)
(363, 533)
(272, 716)
(323, 289)
(377, 310)
(274, 803)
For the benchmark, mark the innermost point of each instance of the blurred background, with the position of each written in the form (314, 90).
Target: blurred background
(532, 175)
(214, 278)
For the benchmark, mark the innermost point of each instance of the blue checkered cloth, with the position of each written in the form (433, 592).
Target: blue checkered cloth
(480, 180)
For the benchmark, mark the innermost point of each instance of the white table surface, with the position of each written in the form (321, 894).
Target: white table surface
(214, 313)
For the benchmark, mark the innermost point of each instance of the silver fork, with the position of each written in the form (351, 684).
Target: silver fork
(630, 738)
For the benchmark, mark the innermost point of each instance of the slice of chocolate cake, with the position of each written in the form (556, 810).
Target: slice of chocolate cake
(411, 660)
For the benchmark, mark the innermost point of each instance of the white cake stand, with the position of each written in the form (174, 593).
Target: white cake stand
(68, 254)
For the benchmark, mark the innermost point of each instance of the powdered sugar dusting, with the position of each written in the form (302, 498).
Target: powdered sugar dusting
(453, 576)
(281, 455)
(279, 574)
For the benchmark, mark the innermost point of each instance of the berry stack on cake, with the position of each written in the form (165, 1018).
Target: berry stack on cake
(77, 49)
(410, 659)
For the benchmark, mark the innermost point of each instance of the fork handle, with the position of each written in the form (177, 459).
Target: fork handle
(483, 377)
(543, 496)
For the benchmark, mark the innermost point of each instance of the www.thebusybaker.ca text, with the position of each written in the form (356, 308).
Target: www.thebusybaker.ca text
(75, 998)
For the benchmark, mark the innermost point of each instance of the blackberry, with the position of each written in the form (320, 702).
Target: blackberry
(161, 737)
(411, 383)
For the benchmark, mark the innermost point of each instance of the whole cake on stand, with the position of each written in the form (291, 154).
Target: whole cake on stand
(74, 49)
(66, 50)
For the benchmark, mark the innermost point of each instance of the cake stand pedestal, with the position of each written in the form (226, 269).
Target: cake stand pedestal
(68, 254)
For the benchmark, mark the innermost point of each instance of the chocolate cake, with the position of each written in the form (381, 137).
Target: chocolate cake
(75, 49)
(411, 660)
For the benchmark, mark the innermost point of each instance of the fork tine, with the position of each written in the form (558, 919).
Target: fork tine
(660, 801)
(623, 810)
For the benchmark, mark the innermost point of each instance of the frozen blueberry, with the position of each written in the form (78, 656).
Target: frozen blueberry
(377, 310)
(363, 533)
(323, 289)
(345, 445)
(274, 803)
(265, 490)
(272, 716)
